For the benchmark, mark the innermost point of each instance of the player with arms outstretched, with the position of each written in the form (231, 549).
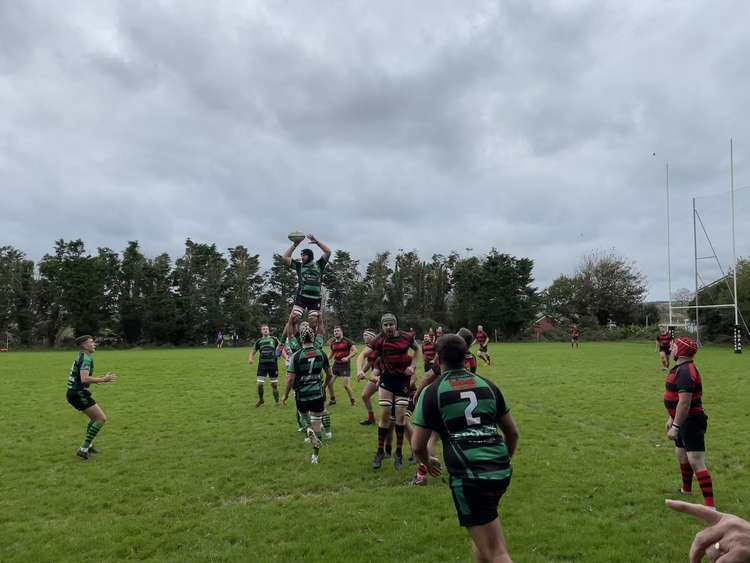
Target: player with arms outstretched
(78, 394)
(266, 346)
(310, 278)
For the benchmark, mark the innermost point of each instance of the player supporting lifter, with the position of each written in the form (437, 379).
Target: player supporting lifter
(310, 278)
(482, 339)
(266, 346)
(305, 377)
(663, 345)
(342, 351)
(466, 410)
(78, 394)
(391, 348)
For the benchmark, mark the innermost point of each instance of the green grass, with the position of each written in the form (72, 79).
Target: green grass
(191, 471)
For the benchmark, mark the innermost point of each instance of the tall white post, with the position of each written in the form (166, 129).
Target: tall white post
(669, 251)
(737, 345)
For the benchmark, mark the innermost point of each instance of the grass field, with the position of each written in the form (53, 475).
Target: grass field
(192, 471)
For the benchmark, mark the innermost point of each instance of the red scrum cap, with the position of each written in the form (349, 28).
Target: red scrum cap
(686, 347)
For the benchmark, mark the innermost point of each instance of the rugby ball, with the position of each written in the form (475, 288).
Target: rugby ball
(296, 236)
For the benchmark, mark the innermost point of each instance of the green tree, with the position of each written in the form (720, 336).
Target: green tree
(16, 290)
(160, 306)
(243, 286)
(280, 288)
(132, 298)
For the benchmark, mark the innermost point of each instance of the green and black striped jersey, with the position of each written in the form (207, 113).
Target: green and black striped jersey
(310, 277)
(307, 365)
(266, 347)
(293, 344)
(464, 409)
(83, 362)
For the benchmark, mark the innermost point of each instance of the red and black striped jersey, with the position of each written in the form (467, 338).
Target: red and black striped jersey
(684, 378)
(575, 333)
(429, 352)
(393, 352)
(664, 340)
(341, 349)
(481, 337)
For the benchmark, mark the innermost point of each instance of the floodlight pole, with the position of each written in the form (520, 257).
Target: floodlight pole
(669, 252)
(737, 344)
(695, 254)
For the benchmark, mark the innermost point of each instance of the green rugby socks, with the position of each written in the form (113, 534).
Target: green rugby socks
(91, 431)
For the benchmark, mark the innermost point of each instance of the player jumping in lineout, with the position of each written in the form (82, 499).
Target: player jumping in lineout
(310, 279)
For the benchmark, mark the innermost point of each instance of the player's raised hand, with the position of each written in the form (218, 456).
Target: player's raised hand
(109, 376)
(312, 239)
(727, 539)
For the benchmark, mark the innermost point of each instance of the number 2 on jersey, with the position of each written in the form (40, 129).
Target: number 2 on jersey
(468, 412)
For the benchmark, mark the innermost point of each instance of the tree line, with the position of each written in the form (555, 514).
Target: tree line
(134, 299)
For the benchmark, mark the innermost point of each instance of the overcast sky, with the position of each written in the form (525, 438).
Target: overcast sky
(434, 125)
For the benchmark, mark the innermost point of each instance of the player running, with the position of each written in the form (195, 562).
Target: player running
(663, 345)
(342, 351)
(391, 348)
(78, 394)
(466, 410)
(266, 346)
(575, 334)
(305, 377)
(310, 278)
(687, 422)
(482, 339)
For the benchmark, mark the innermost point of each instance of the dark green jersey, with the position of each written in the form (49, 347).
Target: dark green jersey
(307, 365)
(310, 277)
(293, 344)
(266, 346)
(464, 409)
(84, 362)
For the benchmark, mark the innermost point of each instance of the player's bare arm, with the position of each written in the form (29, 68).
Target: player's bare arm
(680, 415)
(289, 385)
(510, 432)
(323, 248)
(87, 380)
(287, 256)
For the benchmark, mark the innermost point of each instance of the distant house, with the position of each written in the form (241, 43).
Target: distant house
(541, 325)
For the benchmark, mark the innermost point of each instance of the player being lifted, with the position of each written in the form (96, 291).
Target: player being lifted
(663, 344)
(266, 347)
(482, 339)
(342, 351)
(79, 396)
(310, 278)
(391, 348)
(305, 377)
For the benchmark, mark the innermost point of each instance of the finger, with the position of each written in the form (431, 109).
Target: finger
(702, 540)
(699, 511)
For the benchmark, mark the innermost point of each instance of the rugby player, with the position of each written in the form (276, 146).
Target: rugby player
(78, 394)
(342, 351)
(310, 278)
(575, 334)
(663, 346)
(687, 421)
(428, 352)
(482, 339)
(391, 347)
(305, 377)
(466, 410)
(365, 363)
(266, 346)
